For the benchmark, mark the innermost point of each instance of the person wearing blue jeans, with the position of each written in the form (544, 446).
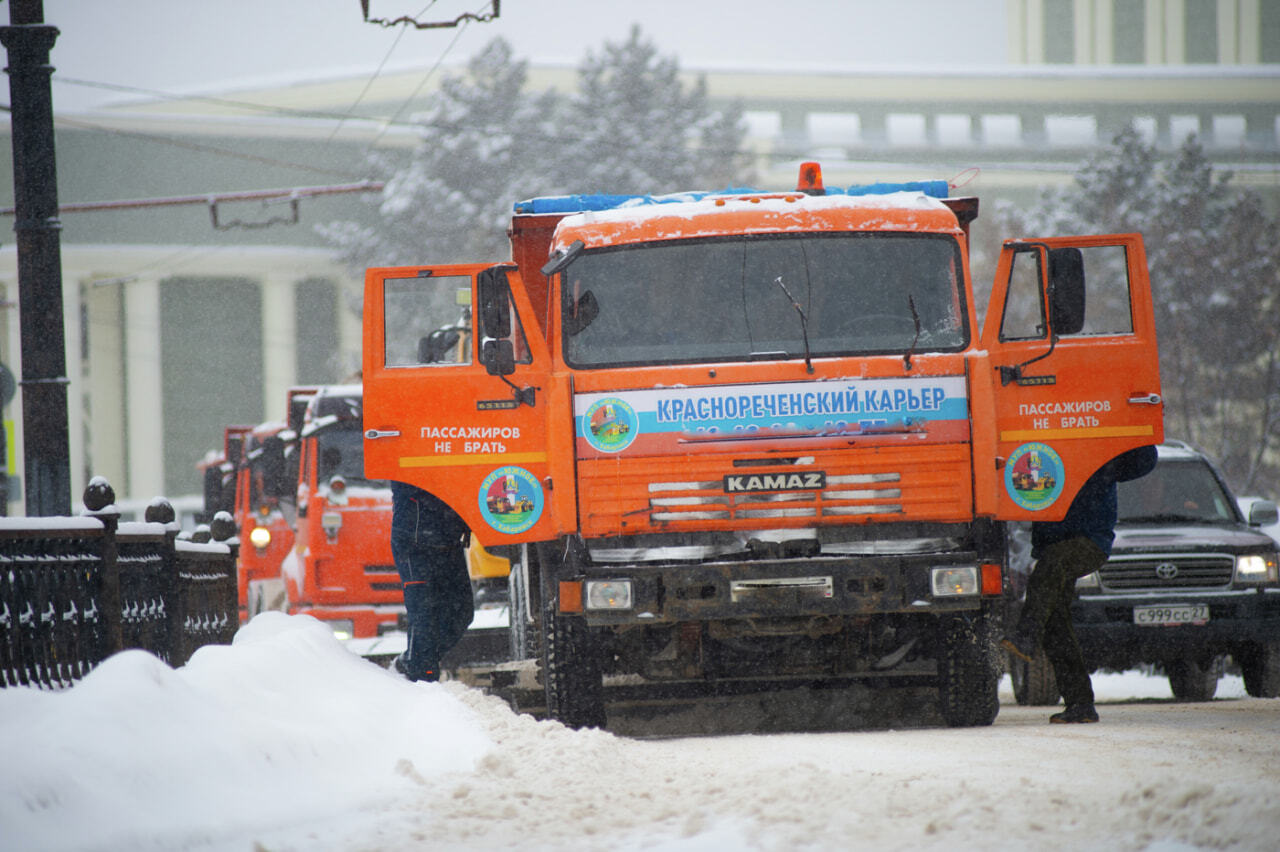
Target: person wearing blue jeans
(427, 543)
(1065, 551)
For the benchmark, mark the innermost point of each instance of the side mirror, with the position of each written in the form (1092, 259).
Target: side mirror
(1066, 290)
(1263, 513)
(498, 356)
(495, 302)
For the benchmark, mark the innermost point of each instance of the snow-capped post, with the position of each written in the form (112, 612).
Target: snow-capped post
(46, 465)
(100, 503)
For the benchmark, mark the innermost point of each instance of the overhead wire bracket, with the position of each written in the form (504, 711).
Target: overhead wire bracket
(481, 18)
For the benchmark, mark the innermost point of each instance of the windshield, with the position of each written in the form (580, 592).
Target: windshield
(1176, 491)
(341, 451)
(736, 299)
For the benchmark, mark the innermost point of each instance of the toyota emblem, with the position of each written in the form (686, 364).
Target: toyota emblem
(1166, 570)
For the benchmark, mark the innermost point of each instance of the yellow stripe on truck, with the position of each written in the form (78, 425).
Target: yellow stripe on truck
(1082, 432)
(486, 459)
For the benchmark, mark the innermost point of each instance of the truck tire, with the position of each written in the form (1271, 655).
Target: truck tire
(571, 671)
(1034, 684)
(1261, 669)
(1191, 680)
(968, 671)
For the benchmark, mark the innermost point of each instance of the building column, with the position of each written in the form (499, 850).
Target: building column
(350, 337)
(1249, 32)
(1175, 32)
(279, 343)
(144, 391)
(104, 377)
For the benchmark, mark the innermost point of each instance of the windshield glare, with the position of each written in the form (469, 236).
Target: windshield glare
(722, 300)
(1176, 491)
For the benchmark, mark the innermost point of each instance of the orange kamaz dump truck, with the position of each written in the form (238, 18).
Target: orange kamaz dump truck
(740, 440)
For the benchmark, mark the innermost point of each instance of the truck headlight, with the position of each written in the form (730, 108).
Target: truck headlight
(608, 594)
(260, 537)
(955, 580)
(331, 522)
(1258, 568)
(343, 629)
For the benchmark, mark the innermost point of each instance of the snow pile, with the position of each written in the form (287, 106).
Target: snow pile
(282, 726)
(286, 740)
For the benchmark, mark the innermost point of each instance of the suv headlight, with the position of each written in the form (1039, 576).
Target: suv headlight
(1257, 568)
(1089, 582)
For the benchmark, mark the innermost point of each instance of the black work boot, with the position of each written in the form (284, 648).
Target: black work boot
(1075, 714)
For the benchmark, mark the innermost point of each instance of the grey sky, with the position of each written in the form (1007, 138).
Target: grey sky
(185, 45)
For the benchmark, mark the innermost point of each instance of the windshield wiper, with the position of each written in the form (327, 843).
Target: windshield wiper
(804, 324)
(915, 317)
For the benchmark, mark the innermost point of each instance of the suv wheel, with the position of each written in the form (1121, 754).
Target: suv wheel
(1192, 681)
(1034, 683)
(1260, 665)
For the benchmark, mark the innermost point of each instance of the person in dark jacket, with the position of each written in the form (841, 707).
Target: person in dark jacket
(428, 543)
(1065, 551)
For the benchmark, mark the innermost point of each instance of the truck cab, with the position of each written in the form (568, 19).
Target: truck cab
(746, 439)
(341, 569)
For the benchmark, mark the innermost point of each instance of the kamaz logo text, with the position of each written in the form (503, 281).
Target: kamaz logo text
(776, 482)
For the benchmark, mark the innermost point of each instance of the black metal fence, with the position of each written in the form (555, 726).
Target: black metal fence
(73, 591)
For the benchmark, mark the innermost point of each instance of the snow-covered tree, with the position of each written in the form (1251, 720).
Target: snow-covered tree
(634, 126)
(484, 144)
(1214, 256)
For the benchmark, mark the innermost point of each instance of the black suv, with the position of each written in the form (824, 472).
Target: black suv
(1189, 581)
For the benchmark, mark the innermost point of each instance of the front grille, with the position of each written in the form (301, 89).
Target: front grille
(1168, 571)
(631, 496)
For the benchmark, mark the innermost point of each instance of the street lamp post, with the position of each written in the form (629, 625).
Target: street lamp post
(46, 462)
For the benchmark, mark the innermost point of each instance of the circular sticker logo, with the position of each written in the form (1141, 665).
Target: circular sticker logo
(610, 425)
(1033, 476)
(511, 499)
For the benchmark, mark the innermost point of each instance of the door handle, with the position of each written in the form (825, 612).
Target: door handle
(1146, 399)
(381, 433)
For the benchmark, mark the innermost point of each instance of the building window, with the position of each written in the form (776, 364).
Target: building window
(1059, 32)
(316, 312)
(1202, 31)
(1269, 32)
(1130, 32)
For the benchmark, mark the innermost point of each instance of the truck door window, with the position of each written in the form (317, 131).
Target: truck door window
(1108, 310)
(427, 320)
(1107, 306)
(1024, 303)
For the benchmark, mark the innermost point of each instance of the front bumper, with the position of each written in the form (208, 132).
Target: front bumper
(1110, 638)
(813, 586)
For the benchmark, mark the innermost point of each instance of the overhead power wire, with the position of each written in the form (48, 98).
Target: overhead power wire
(376, 73)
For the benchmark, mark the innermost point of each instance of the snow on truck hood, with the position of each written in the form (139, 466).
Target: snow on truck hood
(755, 214)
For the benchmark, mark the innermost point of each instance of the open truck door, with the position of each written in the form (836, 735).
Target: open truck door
(1070, 334)
(455, 394)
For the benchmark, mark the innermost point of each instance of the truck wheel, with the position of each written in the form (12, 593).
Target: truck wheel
(968, 671)
(571, 672)
(1261, 669)
(1192, 681)
(1033, 683)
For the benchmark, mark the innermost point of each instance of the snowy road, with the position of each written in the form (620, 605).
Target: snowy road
(286, 741)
